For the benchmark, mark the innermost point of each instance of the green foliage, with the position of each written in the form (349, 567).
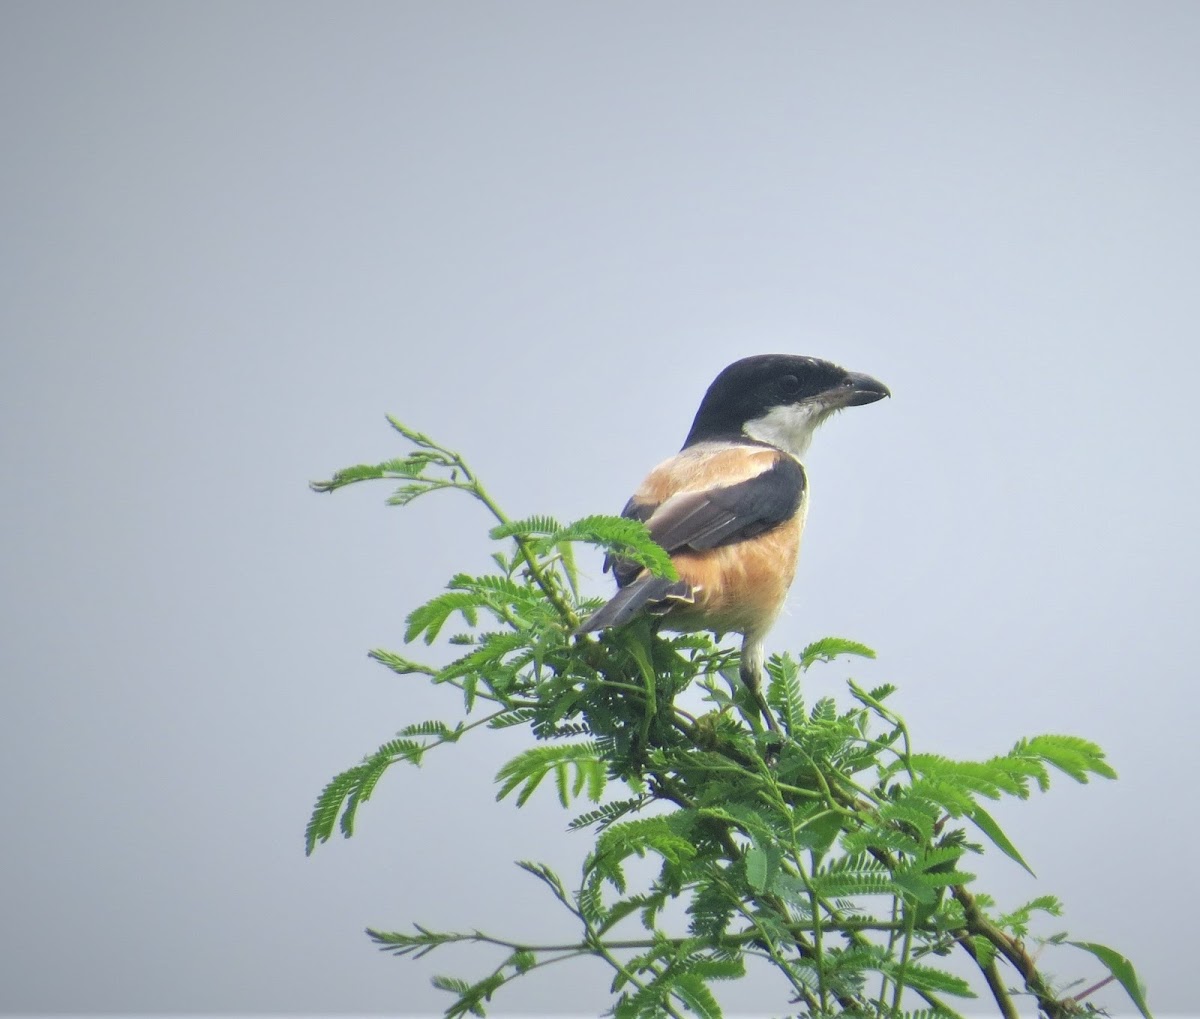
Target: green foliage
(577, 768)
(828, 648)
(830, 849)
(618, 536)
(1122, 969)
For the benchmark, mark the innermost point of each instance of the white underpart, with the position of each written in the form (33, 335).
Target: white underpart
(789, 427)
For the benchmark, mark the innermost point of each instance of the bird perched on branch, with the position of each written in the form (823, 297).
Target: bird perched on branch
(729, 507)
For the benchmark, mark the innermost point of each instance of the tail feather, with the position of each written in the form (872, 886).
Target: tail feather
(649, 593)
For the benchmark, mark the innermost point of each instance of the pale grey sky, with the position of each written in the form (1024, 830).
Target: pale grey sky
(235, 235)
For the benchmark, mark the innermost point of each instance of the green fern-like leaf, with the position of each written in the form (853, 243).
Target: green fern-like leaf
(712, 910)
(416, 945)
(413, 436)
(783, 690)
(1017, 922)
(412, 466)
(490, 652)
(1069, 754)
(371, 772)
(927, 978)
(989, 778)
(823, 712)
(471, 997)
(605, 920)
(917, 815)
(829, 648)
(547, 876)
(933, 871)
(691, 989)
(951, 798)
(453, 984)
(537, 526)
(620, 537)
(530, 767)
(850, 885)
(636, 838)
(329, 806)
(398, 750)
(522, 962)
(877, 838)
(399, 664)
(606, 814)
(544, 729)
(343, 795)
(434, 728)
(497, 588)
(428, 619)
(853, 875)
(716, 966)
(518, 716)
(370, 777)
(405, 494)
(347, 476)
(645, 1003)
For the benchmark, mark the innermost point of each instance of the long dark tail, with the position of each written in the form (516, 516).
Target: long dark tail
(648, 593)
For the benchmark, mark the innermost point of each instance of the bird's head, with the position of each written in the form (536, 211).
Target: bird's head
(779, 399)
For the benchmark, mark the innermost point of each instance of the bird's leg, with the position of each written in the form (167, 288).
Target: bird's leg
(750, 669)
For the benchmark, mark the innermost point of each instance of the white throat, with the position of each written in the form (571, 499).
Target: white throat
(789, 427)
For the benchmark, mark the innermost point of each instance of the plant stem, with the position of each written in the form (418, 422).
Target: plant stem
(531, 561)
(1014, 952)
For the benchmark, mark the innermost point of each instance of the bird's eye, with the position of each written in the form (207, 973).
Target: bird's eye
(788, 383)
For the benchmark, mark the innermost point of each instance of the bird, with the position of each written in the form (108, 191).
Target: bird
(729, 508)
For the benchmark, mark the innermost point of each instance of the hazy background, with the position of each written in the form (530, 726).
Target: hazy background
(234, 235)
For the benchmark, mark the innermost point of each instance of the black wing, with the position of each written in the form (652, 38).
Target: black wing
(719, 516)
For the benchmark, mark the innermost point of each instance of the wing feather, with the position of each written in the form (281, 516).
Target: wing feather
(725, 514)
(698, 518)
(709, 517)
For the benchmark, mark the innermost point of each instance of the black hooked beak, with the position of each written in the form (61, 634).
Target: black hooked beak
(857, 390)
